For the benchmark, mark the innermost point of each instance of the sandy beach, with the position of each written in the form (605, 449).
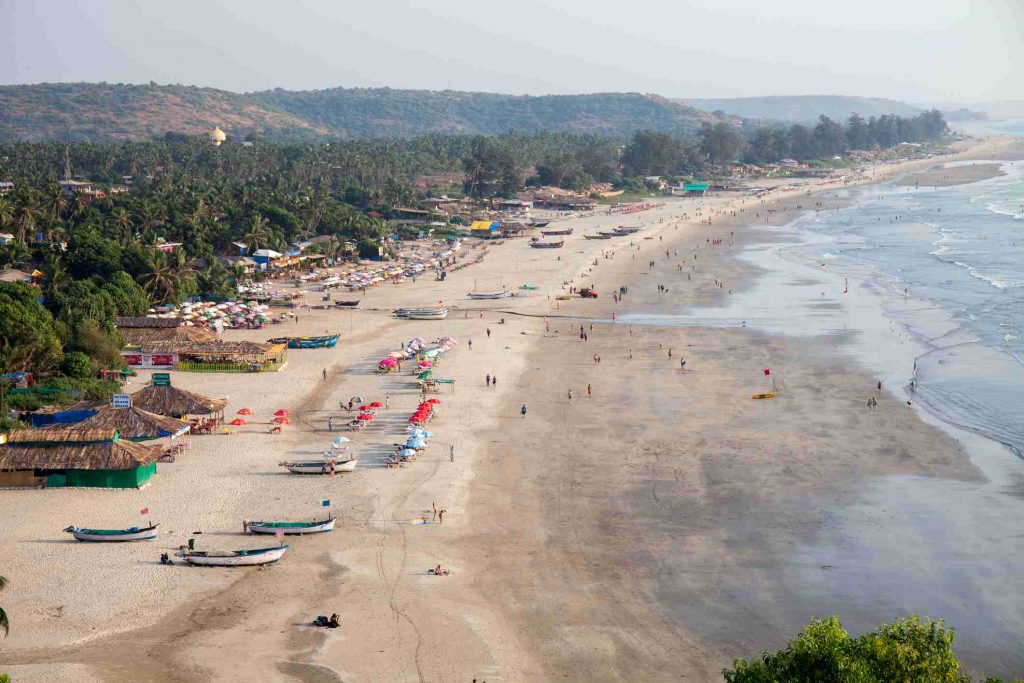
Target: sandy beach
(619, 534)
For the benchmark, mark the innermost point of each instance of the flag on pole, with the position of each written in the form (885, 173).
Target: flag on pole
(767, 372)
(326, 503)
(144, 511)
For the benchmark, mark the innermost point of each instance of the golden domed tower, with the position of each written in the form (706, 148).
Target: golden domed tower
(217, 136)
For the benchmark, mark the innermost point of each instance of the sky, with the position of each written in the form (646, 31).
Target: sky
(910, 50)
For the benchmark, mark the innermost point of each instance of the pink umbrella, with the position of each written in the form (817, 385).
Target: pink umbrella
(282, 412)
(282, 420)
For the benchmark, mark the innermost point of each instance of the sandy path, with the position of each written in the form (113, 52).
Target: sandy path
(574, 534)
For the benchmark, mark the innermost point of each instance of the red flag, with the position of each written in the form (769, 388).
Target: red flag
(767, 371)
(144, 511)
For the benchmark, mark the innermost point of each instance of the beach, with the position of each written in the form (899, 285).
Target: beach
(649, 529)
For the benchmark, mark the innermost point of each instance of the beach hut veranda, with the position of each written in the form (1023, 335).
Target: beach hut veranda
(56, 457)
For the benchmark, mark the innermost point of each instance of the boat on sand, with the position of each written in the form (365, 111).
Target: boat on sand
(113, 535)
(291, 528)
(322, 466)
(233, 558)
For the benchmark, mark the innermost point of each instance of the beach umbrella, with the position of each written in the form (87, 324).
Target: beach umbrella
(282, 420)
(426, 364)
(356, 399)
(433, 400)
(282, 412)
(416, 443)
(376, 404)
(237, 422)
(364, 417)
(341, 439)
(365, 406)
(244, 411)
(407, 451)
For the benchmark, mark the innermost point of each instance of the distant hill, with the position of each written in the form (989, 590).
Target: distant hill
(383, 112)
(102, 111)
(803, 108)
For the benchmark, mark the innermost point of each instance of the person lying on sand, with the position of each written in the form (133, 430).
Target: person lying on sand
(439, 571)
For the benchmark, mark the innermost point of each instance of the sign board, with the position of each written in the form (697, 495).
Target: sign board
(161, 379)
(121, 401)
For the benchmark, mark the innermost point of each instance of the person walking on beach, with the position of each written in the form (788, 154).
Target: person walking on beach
(570, 395)
(522, 411)
(325, 374)
(440, 516)
(488, 333)
(387, 403)
(682, 363)
(451, 453)
(590, 391)
(470, 344)
(488, 379)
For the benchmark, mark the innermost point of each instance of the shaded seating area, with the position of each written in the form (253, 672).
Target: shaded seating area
(56, 457)
(180, 403)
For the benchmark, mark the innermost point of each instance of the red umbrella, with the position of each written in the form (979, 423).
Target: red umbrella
(282, 420)
(283, 412)
(244, 411)
(237, 422)
(376, 404)
(364, 416)
(364, 407)
(433, 400)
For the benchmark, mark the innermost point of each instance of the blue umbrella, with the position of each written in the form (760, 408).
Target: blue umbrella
(407, 451)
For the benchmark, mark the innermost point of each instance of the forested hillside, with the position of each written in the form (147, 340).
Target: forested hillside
(804, 108)
(383, 112)
(100, 111)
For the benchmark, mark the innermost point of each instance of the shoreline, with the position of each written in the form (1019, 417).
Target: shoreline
(376, 517)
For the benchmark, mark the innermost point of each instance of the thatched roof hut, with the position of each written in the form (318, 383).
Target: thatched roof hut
(134, 423)
(144, 330)
(84, 457)
(175, 402)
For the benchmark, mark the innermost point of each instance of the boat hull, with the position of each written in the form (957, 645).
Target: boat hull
(112, 535)
(555, 233)
(317, 466)
(271, 529)
(237, 558)
(547, 245)
(496, 295)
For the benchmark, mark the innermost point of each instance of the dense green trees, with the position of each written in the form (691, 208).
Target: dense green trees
(910, 650)
(28, 337)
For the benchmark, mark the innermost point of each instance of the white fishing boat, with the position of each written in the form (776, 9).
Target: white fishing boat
(113, 535)
(489, 295)
(438, 313)
(233, 558)
(291, 528)
(322, 466)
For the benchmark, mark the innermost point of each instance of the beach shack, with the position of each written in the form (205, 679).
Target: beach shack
(690, 189)
(163, 399)
(207, 356)
(484, 229)
(57, 457)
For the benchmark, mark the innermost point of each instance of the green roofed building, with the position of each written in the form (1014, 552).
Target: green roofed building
(55, 457)
(690, 189)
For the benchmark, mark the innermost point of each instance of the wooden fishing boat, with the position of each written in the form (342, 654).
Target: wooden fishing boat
(763, 396)
(540, 224)
(233, 558)
(493, 295)
(347, 304)
(437, 313)
(548, 245)
(597, 237)
(113, 535)
(608, 233)
(291, 528)
(553, 233)
(324, 341)
(626, 230)
(321, 466)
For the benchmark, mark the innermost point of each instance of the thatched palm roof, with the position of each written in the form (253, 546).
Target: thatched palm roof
(132, 423)
(168, 400)
(73, 449)
(145, 336)
(146, 321)
(55, 408)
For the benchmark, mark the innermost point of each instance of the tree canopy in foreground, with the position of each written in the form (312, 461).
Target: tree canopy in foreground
(911, 650)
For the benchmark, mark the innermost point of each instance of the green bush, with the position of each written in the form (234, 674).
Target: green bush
(76, 364)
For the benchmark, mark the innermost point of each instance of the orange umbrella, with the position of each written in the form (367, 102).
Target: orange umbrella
(282, 413)
(237, 422)
(282, 420)
(244, 411)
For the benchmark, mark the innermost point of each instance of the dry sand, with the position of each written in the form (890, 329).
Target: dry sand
(586, 540)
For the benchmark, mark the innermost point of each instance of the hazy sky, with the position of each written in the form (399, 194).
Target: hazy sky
(913, 50)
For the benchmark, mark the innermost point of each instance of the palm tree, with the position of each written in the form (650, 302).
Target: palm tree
(56, 201)
(259, 233)
(6, 213)
(123, 222)
(25, 216)
(5, 623)
(160, 278)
